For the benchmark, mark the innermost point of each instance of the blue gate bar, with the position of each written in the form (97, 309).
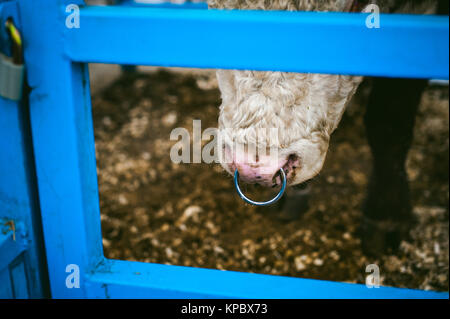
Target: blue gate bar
(116, 279)
(413, 46)
(170, 5)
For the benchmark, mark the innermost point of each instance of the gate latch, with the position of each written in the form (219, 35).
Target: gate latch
(12, 68)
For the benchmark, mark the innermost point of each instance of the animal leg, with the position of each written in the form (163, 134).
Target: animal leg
(389, 121)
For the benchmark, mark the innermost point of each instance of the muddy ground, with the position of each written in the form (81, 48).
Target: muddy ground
(189, 214)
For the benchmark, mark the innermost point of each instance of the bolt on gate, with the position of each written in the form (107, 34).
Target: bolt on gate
(48, 181)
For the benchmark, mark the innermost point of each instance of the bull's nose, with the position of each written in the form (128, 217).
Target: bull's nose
(256, 169)
(265, 170)
(251, 173)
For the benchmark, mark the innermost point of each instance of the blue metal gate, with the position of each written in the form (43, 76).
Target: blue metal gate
(47, 156)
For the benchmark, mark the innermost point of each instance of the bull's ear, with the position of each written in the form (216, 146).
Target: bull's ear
(225, 79)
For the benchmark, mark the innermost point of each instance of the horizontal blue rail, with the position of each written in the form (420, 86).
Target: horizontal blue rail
(413, 46)
(170, 5)
(115, 279)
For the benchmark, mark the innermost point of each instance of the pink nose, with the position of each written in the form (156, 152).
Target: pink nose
(258, 169)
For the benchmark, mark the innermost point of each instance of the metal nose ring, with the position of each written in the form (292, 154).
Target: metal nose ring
(248, 200)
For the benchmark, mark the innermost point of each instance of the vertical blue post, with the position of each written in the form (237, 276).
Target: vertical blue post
(22, 261)
(63, 141)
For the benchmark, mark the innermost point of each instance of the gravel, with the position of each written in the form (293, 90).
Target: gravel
(153, 210)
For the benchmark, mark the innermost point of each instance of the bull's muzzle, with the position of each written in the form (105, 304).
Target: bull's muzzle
(273, 200)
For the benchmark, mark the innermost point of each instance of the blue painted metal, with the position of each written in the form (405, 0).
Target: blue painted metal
(22, 264)
(14, 262)
(167, 4)
(12, 241)
(63, 139)
(115, 279)
(340, 43)
(19, 281)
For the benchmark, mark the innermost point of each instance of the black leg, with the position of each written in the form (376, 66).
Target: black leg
(295, 202)
(389, 121)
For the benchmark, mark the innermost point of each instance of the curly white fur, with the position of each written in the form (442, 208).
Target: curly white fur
(305, 108)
